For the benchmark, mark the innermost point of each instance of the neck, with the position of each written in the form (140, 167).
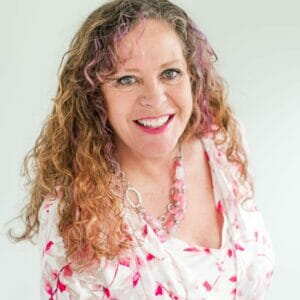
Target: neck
(136, 164)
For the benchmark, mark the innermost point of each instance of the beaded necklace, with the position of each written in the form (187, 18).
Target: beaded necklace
(166, 224)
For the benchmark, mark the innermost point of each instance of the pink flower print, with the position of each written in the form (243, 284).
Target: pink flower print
(145, 230)
(207, 250)
(48, 246)
(125, 262)
(220, 207)
(269, 274)
(48, 288)
(220, 266)
(233, 278)
(235, 188)
(62, 287)
(138, 260)
(191, 249)
(239, 247)
(207, 285)
(47, 206)
(54, 275)
(135, 279)
(106, 292)
(173, 296)
(159, 290)
(235, 222)
(256, 235)
(150, 256)
(233, 292)
(229, 252)
(95, 287)
(67, 271)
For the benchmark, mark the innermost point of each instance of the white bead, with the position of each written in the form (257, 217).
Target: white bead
(179, 173)
(138, 203)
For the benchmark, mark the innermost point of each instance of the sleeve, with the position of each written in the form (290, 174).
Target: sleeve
(58, 280)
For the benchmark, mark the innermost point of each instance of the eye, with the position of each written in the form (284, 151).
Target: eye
(171, 73)
(126, 80)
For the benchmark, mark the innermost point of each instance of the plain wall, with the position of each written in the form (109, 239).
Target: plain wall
(258, 46)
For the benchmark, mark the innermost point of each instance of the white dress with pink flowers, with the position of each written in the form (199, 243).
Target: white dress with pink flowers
(240, 269)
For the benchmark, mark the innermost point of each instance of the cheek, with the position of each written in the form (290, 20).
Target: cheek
(121, 107)
(113, 105)
(115, 116)
(118, 113)
(113, 113)
(184, 97)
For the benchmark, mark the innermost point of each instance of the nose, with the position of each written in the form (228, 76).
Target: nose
(153, 94)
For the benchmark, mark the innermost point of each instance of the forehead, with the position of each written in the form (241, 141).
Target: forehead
(150, 40)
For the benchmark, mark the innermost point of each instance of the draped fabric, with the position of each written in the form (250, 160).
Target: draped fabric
(173, 269)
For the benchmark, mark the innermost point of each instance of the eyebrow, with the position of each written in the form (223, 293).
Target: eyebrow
(162, 66)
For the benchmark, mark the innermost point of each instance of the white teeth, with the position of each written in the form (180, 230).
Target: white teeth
(153, 123)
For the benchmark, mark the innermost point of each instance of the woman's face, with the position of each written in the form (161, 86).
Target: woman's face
(149, 99)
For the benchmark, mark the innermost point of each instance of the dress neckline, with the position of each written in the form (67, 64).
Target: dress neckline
(200, 248)
(216, 195)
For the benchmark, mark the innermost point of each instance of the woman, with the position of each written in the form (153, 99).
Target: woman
(141, 188)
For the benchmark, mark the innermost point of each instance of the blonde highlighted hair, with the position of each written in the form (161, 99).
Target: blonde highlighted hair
(75, 149)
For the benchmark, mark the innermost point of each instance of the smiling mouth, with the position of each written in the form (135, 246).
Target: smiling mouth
(154, 122)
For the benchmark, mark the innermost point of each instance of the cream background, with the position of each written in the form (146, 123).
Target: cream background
(258, 45)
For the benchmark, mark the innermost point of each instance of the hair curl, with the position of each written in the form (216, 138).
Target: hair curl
(75, 149)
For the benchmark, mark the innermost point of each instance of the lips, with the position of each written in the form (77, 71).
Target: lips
(154, 122)
(154, 125)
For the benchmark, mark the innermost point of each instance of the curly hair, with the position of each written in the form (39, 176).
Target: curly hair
(74, 152)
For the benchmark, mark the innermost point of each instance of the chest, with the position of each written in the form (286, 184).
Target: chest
(202, 224)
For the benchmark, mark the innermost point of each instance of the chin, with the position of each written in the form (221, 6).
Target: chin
(158, 148)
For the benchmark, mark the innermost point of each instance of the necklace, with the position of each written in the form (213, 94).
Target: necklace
(166, 224)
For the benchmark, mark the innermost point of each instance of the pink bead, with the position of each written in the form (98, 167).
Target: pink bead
(178, 184)
(177, 197)
(179, 215)
(174, 210)
(169, 224)
(178, 162)
(182, 204)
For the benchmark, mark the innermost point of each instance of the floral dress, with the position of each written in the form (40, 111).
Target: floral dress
(171, 269)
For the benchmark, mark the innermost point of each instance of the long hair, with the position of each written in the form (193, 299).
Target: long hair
(73, 157)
